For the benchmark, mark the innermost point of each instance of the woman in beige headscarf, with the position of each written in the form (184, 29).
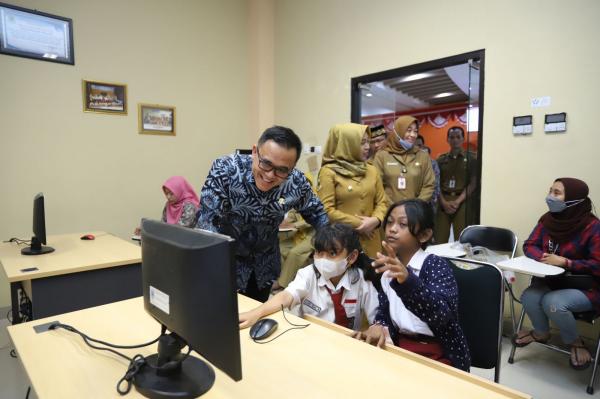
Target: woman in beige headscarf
(406, 172)
(350, 189)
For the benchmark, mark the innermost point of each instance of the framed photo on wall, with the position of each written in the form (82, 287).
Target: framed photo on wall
(156, 119)
(34, 34)
(108, 98)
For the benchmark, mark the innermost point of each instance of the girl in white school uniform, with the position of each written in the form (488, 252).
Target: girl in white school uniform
(418, 302)
(334, 288)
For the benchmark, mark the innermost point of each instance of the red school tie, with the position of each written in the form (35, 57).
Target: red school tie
(340, 313)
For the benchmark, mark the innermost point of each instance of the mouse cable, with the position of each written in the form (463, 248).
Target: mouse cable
(18, 241)
(135, 363)
(296, 327)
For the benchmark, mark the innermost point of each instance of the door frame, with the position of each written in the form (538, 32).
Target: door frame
(355, 93)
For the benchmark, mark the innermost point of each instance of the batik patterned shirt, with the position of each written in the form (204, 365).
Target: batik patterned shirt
(233, 205)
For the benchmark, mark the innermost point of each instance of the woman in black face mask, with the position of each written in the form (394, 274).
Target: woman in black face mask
(567, 236)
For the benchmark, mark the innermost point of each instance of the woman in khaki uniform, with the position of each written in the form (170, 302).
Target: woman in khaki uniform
(405, 170)
(350, 189)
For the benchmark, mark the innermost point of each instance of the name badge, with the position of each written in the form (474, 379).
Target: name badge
(452, 183)
(392, 164)
(311, 305)
(401, 183)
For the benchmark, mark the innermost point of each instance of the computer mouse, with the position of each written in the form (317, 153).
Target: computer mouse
(88, 237)
(263, 328)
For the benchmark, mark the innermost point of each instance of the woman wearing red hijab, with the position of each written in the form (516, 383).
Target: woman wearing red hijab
(182, 202)
(567, 236)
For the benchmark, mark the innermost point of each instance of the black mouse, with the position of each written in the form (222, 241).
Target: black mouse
(263, 328)
(87, 237)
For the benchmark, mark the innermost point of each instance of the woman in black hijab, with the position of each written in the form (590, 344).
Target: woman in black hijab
(567, 236)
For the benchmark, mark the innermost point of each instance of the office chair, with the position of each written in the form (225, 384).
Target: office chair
(480, 310)
(588, 317)
(496, 239)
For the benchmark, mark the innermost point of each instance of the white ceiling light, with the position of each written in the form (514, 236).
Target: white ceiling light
(369, 94)
(442, 95)
(416, 76)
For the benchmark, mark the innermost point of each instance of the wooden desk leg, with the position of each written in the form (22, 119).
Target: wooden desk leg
(14, 298)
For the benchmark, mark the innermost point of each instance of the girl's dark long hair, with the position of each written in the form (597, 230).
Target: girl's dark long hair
(419, 215)
(339, 236)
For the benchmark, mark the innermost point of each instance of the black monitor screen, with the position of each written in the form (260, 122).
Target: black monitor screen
(189, 286)
(39, 229)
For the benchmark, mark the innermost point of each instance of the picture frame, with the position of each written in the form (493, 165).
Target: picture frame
(37, 35)
(156, 119)
(104, 97)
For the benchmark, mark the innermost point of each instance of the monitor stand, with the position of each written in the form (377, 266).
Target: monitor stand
(36, 248)
(168, 377)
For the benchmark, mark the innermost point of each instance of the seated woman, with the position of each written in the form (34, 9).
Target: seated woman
(335, 288)
(567, 236)
(295, 245)
(418, 301)
(182, 203)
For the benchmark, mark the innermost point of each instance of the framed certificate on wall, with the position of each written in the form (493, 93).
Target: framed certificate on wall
(34, 34)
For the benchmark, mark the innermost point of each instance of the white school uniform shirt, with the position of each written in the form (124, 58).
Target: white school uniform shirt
(311, 296)
(405, 320)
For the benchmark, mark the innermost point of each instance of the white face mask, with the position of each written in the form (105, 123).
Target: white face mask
(330, 268)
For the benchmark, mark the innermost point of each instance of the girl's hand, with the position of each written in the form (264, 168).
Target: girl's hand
(390, 262)
(555, 260)
(375, 335)
(248, 319)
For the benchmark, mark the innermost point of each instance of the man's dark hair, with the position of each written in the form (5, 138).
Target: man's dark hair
(455, 128)
(283, 136)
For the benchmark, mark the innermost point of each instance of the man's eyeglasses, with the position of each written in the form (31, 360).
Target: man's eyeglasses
(280, 171)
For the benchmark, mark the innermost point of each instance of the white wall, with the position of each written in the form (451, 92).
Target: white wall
(96, 171)
(532, 48)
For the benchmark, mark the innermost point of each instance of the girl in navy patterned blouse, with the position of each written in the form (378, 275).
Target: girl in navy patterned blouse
(418, 301)
(567, 236)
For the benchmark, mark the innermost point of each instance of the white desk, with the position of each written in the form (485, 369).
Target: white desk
(525, 265)
(315, 362)
(77, 275)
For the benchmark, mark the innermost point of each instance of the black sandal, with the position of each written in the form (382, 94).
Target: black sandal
(529, 334)
(582, 366)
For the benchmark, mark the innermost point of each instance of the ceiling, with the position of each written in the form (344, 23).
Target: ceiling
(449, 85)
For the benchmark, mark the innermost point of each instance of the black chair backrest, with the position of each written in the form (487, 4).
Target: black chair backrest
(494, 238)
(480, 307)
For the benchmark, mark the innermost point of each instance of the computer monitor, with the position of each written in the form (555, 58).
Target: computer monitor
(241, 151)
(189, 286)
(39, 229)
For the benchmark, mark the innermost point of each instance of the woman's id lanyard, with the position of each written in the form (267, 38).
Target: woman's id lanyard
(402, 179)
(401, 183)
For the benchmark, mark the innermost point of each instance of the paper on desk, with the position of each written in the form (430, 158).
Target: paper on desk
(448, 250)
(525, 265)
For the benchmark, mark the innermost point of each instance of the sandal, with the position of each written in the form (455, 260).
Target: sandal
(581, 366)
(529, 334)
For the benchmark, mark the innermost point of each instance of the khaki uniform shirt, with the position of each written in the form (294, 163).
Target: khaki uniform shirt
(456, 171)
(416, 170)
(344, 197)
